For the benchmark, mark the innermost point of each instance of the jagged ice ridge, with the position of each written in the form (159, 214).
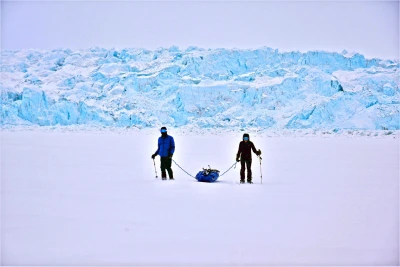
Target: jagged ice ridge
(222, 88)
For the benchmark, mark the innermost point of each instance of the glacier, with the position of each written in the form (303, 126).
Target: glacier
(197, 87)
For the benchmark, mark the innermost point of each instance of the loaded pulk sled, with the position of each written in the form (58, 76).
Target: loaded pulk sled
(207, 175)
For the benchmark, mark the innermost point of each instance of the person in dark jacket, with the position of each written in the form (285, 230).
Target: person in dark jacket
(244, 153)
(166, 149)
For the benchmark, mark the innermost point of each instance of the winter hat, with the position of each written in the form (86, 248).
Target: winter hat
(246, 135)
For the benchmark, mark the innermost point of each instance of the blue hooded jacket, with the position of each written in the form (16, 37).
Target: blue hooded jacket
(166, 146)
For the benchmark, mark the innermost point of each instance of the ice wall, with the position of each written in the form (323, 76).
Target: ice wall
(203, 88)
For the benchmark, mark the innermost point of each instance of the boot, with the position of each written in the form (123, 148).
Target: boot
(242, 178)
(171, 175)
(164, 175)
(249, 180)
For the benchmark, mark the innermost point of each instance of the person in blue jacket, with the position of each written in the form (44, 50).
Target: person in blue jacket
(166, 149)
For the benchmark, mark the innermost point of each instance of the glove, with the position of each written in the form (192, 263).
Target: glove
(153, 156)
(170, 155)
(259, 152)
(237, 159)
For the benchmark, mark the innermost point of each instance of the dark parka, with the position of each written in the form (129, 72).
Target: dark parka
(245, 149)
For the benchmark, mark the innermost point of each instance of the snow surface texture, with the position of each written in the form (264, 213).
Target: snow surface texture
(198, 88)
(91, 198)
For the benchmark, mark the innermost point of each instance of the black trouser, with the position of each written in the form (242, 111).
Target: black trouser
(245, 163)
(166, 163)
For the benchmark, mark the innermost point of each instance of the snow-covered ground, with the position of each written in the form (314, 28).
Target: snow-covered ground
(91, 197)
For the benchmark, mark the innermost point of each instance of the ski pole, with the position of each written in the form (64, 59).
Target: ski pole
(260, 168)
(155, 168)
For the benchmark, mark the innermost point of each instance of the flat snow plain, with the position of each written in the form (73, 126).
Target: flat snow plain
(91, 198)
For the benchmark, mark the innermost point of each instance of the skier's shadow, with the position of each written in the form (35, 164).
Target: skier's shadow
(222, 182)
(216, 182)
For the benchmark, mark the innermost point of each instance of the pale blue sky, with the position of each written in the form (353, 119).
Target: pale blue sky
(371, 28)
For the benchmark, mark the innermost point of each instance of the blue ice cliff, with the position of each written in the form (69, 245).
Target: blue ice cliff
(197, 87)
